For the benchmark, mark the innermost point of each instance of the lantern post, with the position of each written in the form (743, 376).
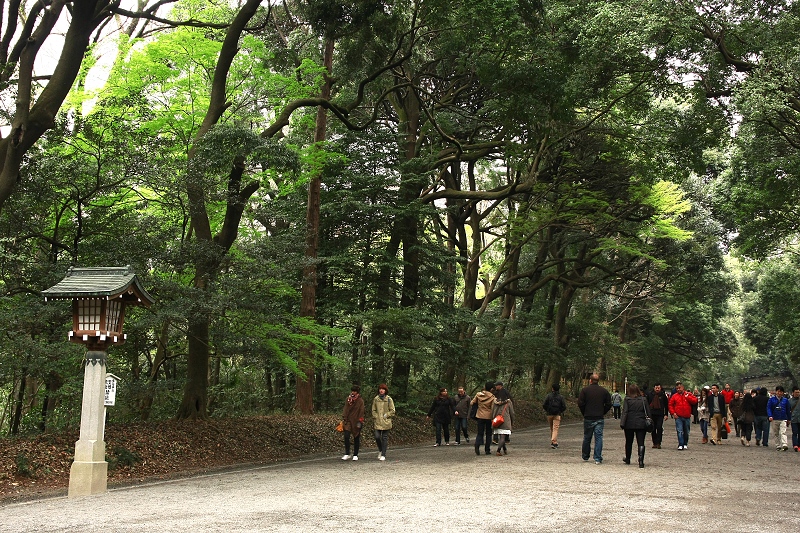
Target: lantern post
(99, 297)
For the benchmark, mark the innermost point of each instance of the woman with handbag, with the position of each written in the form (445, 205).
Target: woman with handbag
(635, 415)
(502, 413)
(353, 422)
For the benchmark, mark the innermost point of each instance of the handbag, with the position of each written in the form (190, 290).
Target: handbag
(499, 420)
(648, 422)
(340, 427)
(473, 411)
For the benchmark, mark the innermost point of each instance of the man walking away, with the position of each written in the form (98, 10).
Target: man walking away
(658, 410)
(762, 417)
(680, 407)
(778, 412)
(485, 401)
(594, 402)
(554, 405)
(616, 402)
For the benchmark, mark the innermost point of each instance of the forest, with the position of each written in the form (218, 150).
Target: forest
(422, 193)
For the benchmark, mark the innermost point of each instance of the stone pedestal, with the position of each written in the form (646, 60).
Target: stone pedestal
(89, 472)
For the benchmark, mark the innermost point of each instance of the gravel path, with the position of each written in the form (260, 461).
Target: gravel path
(728, 488)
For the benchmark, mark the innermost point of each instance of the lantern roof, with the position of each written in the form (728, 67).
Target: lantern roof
(98, 282)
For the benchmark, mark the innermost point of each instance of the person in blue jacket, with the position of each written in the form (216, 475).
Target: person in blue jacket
(779, 419)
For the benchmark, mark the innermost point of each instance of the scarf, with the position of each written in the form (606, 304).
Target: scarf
(352, 398)
(656, 401)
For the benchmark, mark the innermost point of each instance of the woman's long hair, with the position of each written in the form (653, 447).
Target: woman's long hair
(502, 395)
(633, 390)
(747, 403)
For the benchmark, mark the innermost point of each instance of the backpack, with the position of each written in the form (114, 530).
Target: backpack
(554, 404)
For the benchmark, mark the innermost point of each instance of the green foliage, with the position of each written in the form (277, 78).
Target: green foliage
(23, 465)
(591, 193)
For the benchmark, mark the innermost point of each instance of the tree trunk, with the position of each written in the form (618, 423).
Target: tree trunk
(304, 395)
(195, 395)
(409, 111)
(16, 417)
(161, 356)
(560, 333)
(52, 384)
(31, 122)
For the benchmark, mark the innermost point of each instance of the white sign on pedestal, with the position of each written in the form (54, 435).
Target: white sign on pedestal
(111, 391)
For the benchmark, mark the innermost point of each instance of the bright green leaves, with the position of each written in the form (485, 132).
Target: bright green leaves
(668, 203)
(173, 74)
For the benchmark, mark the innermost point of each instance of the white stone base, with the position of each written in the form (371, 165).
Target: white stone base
(86, 478)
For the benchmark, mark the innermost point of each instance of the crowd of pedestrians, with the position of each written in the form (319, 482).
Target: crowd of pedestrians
(719, 413)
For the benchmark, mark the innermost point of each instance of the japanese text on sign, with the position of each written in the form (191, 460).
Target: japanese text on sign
(111, 391)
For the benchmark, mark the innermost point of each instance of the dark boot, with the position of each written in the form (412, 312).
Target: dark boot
(477, 448)
(626, 460)
(641, 456)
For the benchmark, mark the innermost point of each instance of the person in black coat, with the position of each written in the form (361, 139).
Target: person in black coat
(442, 412)
(659, 410)
(634, 419)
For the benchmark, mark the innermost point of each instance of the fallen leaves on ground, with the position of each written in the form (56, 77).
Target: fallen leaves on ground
(142, 451)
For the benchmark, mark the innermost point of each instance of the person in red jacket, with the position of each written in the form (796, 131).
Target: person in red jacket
(728, 394)
(680, 408)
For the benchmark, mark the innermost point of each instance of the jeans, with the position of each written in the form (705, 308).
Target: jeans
(356, 443)
(762, 429)
(593, 427)
(704, 427)
(484, 435)
(461, 425)
(795, 434)
(439, 428)
(682, 425)
(382, 440)
(617, 411)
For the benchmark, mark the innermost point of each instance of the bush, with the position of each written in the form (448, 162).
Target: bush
(23, 464)
(122, 457)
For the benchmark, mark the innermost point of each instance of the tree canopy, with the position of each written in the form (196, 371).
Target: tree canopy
(423, 194)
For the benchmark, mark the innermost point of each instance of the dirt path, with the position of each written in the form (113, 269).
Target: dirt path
(534, 488)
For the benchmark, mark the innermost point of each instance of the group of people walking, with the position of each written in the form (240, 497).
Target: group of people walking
(717, 410)
(640, 412)
(492, 404)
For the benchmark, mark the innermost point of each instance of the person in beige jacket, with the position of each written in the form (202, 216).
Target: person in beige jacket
(484, 399)
(382, 412)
